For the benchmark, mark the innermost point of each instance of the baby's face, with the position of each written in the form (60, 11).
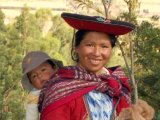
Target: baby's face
(41, 74)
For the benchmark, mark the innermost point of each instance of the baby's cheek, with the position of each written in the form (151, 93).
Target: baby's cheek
(49, 74)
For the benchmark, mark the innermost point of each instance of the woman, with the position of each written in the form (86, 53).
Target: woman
(88, 90)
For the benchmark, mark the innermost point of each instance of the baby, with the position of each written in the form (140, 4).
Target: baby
(37, 69)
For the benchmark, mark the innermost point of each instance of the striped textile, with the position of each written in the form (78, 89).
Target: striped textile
(70, 80)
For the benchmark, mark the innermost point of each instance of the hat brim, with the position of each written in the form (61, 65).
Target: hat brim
(25, 80)
(26, 83)
(96, 23)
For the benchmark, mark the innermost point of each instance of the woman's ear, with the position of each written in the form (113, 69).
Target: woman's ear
(76, 50)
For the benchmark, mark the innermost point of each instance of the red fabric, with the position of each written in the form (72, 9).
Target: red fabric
(122, 104)
(73, 110)
(95, 23)
(63, 102)
(61, 91)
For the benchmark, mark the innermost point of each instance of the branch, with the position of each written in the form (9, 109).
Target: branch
(6, 93)
(125, 59)
(88, 4)
(106, 9)
(132, 70)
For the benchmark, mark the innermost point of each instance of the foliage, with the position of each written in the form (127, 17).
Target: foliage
(42, 16)
(116, 58)
(18, 38)
(27, 25)
(126, 17)
(87, 5)
(155, 18)
(147, 46)
(26, 34)
(64, 33)
(2, 26)
(146, 41)
(148, 61)
(11, 96)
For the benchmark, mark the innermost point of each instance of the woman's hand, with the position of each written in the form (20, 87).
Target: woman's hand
(138, 111)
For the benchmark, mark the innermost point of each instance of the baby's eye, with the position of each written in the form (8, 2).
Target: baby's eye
(33, 76)
(43, 69)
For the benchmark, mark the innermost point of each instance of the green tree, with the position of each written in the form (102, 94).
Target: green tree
(11, 96)
(64, 33)
(148, 60)
(16, 40)
(88, 5)
(2, 25)
(27, 27)
(130, 16)
(43, 16)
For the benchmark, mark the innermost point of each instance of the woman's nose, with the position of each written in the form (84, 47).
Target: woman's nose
(96, 51)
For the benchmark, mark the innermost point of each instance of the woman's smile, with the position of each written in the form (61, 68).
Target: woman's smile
(95, 61)
(94, 51)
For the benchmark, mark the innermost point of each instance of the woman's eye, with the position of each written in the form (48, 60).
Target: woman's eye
(90, 45)
(104, 46)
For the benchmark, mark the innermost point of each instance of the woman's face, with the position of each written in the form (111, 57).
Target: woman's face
(94, 51)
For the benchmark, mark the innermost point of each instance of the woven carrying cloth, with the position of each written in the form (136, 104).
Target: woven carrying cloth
(73, 81)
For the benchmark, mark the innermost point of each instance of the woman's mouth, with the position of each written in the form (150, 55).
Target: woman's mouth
(95, 61)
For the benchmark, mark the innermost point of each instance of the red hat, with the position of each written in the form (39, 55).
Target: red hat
(97, 23)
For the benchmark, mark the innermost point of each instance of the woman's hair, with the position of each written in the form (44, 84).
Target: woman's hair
(79, 36)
